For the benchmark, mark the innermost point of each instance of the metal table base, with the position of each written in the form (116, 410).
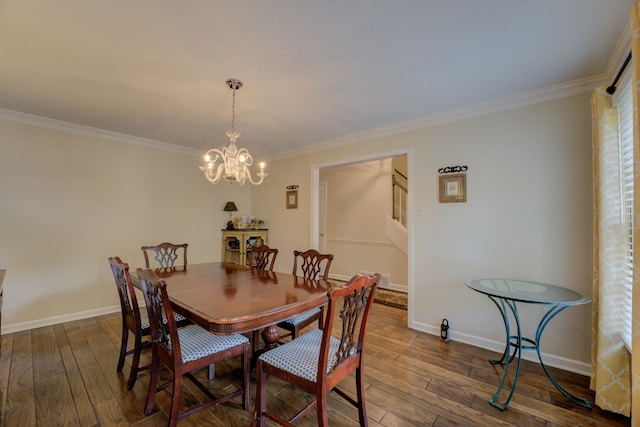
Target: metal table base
(506, 294)
(519, 343)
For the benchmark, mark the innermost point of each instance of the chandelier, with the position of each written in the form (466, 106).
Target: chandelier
(230, 163)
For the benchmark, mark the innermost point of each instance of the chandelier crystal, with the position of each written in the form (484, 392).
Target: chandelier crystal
(230, 163)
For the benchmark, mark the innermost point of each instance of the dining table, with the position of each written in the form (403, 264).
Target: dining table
(230, 298)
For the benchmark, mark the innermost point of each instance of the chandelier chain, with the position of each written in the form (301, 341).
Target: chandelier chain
(233, 112)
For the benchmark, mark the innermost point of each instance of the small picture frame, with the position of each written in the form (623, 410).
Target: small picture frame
(292, 199)
(453, 188)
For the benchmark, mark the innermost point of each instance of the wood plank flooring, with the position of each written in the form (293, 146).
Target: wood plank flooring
(66, 375)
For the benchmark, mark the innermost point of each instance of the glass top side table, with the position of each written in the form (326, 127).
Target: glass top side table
(505, 294)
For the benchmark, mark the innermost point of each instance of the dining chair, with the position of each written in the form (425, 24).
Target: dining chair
(167, 256)
(133, 319)
(317, 362)
(263, 257)
(185, 351)
(313, 265)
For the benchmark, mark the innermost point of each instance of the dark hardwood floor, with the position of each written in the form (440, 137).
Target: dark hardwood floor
(66, 375)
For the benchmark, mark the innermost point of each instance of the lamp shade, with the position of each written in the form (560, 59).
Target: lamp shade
(230, 207)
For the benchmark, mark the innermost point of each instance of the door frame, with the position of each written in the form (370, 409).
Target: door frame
(315, 207)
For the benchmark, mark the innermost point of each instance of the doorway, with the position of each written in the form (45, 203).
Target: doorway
(321, 228)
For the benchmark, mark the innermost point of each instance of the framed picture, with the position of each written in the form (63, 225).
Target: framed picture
(292, 199)
(453, 188)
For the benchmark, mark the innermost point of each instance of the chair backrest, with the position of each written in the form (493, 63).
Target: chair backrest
(263, 257)
(167, 256)
(313, 264)
(311, 284)
(126, 292)
(352, 303)
(164, 332)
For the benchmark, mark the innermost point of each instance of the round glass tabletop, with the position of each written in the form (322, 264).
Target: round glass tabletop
(526, 291)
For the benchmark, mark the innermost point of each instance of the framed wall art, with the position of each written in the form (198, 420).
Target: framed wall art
(292, 199)
(453, 188)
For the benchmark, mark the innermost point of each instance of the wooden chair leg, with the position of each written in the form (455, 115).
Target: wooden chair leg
(362, 410)
(255, 341)
(246, 378)
(153, 386)
(321, 410)
(123, 347)
(261, 397)
(175, 399)
(135, 363)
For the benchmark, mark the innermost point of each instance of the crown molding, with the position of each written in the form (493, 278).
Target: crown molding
(522, 99)
(620, 52)
(44, 122)
(500, 104)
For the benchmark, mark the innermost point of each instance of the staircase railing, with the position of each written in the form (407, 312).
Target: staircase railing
(399, 188)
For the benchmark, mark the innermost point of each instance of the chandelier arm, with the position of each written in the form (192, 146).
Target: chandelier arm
(260, 175)
(216, 178)
(219, 154)
(248, 158)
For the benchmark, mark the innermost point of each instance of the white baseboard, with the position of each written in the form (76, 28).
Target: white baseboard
(24, 326)
(559, 362)
(383, 284)
(552, 360)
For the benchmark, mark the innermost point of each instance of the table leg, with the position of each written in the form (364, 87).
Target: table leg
(553, 312)
(519, 343)
(506, 359)
(270, 336)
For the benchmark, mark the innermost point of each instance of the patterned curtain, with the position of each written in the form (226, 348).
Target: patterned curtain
(610, 369)
(615, 378)
(635, 65)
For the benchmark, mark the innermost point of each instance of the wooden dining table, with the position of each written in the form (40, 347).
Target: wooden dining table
(227, 298)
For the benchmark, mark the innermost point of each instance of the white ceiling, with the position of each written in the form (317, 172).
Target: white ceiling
(314, 72)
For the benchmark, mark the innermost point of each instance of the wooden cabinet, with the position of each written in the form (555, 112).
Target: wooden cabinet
(237, 244)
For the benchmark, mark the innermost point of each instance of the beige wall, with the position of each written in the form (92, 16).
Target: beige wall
(527, 215)
(69, 201)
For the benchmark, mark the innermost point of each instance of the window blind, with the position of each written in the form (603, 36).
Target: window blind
(624, 103)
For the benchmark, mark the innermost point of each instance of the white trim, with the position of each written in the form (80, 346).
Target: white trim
(388, 285)
(24, 326)
(30, 119)
(492, 106)
(360, 242)
(620, 52)
(551, 360)
(315, 221)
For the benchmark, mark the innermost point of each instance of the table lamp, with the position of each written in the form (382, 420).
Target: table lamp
(230, 207)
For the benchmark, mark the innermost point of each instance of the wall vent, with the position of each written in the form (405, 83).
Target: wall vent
(384, 281)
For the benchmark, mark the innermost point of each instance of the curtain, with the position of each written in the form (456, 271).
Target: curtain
(615, 378)
(610, 368)
(635, 66)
